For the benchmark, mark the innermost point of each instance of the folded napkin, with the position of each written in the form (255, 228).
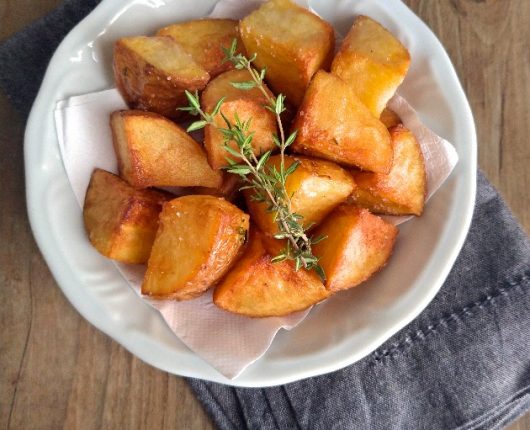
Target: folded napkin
(463, 363)
(85, 142)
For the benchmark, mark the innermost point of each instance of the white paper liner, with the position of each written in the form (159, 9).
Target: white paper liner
(229, 342)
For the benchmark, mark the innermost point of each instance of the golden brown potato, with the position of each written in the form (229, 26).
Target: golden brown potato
(358, 244)
(315, 188)
(121, 221)
(373, 61)
(333, 124)
(152, 73)
(400, 192)
(204, 39)
(198, 240)
(389, 118)
(153, 151)
(290, 42)
(256, 287)
(247, 104)
(229, 188)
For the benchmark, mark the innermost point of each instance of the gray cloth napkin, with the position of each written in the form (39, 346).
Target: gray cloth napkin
(463, 363)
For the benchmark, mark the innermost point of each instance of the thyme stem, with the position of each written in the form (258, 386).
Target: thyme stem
(268, 184)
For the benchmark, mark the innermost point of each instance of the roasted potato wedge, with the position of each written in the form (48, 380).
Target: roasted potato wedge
(400, 192)
(373, 61)
(198, 240)
(152, 73)
(257, 287)
(246, 104)
(332, 123)
(204, 39)
(358, 244)
(389, 118)
(153, 151)
(315, 188)
(290, 42)
(121, 221)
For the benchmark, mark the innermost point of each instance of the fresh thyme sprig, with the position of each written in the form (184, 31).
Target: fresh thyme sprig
(267, 182)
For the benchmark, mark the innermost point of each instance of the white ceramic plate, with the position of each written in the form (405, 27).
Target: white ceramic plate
(337, 333)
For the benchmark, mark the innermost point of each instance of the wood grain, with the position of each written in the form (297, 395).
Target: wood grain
(57, 371)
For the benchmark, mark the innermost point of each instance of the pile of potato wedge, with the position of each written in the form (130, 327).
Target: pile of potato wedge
(356, 159)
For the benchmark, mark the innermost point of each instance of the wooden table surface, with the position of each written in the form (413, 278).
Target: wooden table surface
(57, 371)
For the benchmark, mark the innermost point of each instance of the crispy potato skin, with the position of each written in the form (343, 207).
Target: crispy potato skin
(332, 123)
(290, 42)
(403, 190)
(389, 118)
(247, 104)
(315, 187)
(203, 40)
(229, 188)
(153, 151)
(374, 61)
(256, 287)
(198, 240)
(121, 221)
(152, 73)
(358, 244)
